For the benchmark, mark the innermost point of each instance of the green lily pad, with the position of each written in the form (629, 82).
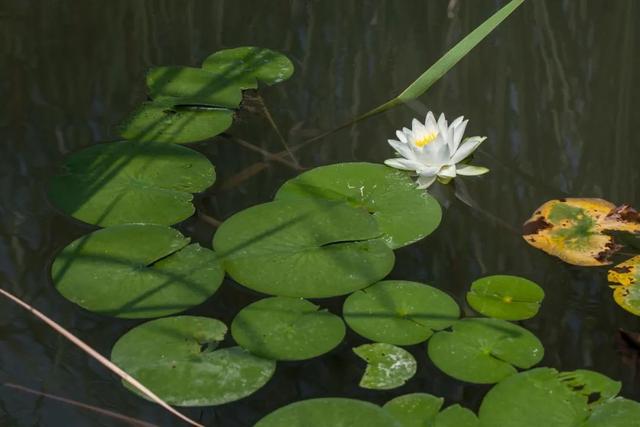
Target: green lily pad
(456, 416)
(617, 412)
(243, 65)
(404, 213)
(505, 297)
(186, 85)
(329, 412)
(175, 357)
(388, 366)
(399, 312)
(163, 122)
(423, 410)
(484, 351)
(302, 249)
(415, 409)
(545, 397)
(130, 182)
(282, 328)
(136, 271)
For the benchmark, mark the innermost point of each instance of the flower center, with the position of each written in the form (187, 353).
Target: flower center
(427, 139)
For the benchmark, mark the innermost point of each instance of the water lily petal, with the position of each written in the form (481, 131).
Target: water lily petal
(430, 123)
(428, 171)
(402, 137)
(433, 153)
(425, 181)
(442, 155)
(442, 123)
(458, 133)
(448, 171)
(418, 131)
(471, 170)
(403, 149)
(466, 148)
(456, 122)
(403, 164)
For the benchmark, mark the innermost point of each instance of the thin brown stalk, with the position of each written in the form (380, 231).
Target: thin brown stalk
(242, 176)
(214, 222)
(101, 411)
(269, 117)
(100, 358)
(280, 157)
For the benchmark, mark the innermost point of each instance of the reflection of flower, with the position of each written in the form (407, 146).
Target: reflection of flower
(433, 150)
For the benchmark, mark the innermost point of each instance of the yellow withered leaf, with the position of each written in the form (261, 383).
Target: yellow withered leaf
(626, 273)
(628, 297)
(575, 229)
(627, 290)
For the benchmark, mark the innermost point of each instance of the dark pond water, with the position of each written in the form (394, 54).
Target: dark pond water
(554, 89)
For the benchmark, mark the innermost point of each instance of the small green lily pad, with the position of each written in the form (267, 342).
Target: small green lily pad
(282, 328)
(404, 213)
(484, 351)
(243, 65)
(423, 410)
(399, 312)
(130, 182)
(329, 412)
(163, 122)
(388, 366)
(186, 85)
(175, 357)
(592, 385)
(415, 409)
(505, 297)
(456, 416)
(546, 397)
(303, 249)
(136, 271)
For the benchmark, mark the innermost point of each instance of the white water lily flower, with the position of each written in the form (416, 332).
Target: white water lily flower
(435, 150)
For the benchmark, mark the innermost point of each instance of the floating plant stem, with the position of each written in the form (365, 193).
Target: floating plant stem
(100, 358)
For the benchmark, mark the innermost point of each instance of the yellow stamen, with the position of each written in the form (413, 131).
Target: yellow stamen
(427, 139)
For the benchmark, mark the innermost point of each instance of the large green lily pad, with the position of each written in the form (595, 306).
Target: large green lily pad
(303, 249)
(388, 366)
(484, 351)
(130, 182)
(163, 122)
(399, 312)
(545, 397)
(282, 328)
(136, 271)
(505, 297)
(329, 412)
(618, 412)
(414, 409)
(176, 358)
(404, 213)
(244, 65)
(192, 86)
